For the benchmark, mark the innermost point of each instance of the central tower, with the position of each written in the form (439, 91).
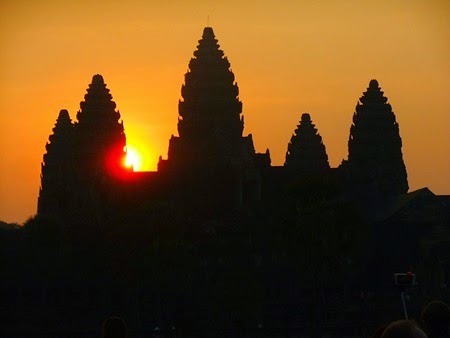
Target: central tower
(210, 154)
(210, 124)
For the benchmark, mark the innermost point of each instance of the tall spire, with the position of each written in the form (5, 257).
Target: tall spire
(210, 108)
(100, 137)
(306, 152)
(210, 155)
(375, 155)
(54, 168)
(60, 141)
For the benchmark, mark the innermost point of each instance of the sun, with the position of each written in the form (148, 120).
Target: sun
(133, 158)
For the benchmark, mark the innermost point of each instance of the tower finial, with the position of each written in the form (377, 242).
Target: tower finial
(207, 21)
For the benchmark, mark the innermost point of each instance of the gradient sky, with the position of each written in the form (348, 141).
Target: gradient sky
(289, 57)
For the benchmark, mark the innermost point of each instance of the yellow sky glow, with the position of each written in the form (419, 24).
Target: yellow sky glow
(135, 158)
(289, 57)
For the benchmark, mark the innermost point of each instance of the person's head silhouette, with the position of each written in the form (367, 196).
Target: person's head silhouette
(403, 329)
(114, 327)
(436, 319)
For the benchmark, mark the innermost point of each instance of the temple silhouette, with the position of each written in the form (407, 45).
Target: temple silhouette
(210, 165)
(218, 242)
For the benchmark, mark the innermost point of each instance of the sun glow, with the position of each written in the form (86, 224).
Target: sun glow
(133, 158)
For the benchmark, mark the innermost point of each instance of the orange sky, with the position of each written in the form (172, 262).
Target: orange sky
(289, 57)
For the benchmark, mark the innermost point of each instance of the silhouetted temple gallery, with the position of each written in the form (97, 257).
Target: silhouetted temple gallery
(211, 165)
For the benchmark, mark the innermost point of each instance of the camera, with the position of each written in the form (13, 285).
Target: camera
(405, 280)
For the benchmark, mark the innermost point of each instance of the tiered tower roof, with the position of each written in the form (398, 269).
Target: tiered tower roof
(210, 109)
(61, 139)
(100, 137)
(55, 164)
(306, 152)
(375, 154)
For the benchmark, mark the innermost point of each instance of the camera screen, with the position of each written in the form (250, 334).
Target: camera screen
(404, 279)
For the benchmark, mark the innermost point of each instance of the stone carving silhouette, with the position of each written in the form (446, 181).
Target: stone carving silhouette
(55, 168)
(84, 160)
(210, 145)
(99, 135)
(375, 157)
(306, 154)
(122, 229)
(209, 125)
(210, 164)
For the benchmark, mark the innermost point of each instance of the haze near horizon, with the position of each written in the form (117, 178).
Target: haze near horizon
(288, 58)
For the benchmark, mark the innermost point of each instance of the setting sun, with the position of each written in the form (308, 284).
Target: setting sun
(133, 158)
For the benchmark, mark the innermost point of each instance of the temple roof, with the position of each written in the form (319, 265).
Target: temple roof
(61, 138)
(373, 84)
(210, 104)
(97, 79)
(374, 96)
(208, 33)
(63, 122)
(306, 151)
(99, 131)
(415, 199)
(98, 102)
(375, 155)
(64, 115)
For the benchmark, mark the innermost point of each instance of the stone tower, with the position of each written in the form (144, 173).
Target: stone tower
(210, 147)
(100, 141)
(306, 154)
(210, 124)
(98, 157)
(375, 159)
(85, 161)
(53, 194)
